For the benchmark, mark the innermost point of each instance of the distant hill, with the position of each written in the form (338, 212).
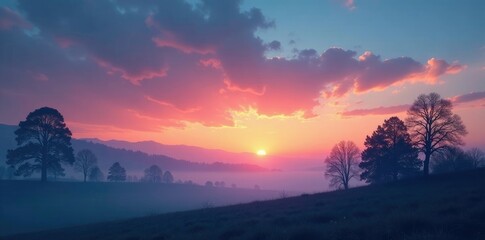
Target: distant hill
(195, 154)
(450, 206)
(203, 155)
(132, 160)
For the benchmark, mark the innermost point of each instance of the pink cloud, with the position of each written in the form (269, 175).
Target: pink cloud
(459, 99)
(183, 64)
(377, 110)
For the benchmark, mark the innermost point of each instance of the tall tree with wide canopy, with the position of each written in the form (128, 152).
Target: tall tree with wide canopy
(389, 153)
(85, 161)
(342, 164)
(44, 142)
(433, 125)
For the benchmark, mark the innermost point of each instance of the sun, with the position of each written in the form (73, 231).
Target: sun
(261, 152)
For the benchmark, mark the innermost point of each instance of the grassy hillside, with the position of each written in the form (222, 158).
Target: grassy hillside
(441, 207)
(27, 206)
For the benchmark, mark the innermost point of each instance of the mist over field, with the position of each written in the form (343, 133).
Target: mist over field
(242, 119)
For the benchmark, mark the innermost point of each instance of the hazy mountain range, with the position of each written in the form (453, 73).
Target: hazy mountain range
(132, 158)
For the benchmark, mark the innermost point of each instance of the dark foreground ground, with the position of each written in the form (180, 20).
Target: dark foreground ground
(27, 206)
(441, 207)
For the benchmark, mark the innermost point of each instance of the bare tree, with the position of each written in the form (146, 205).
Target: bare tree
(476, 156)
(433, 126)
(85, 161)
(342, 164)
(451, 159)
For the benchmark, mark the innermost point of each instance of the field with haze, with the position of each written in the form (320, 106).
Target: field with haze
(443, 207)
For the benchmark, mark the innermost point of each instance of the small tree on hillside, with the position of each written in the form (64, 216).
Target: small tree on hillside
(153, 174)
(85, 161)
(389, 153)
(342, 164)
(167, 177)
(433, 126)
(43, 142)
(95, 175)
(117, 173)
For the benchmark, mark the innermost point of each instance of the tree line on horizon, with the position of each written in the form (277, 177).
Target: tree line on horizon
(392, 151)
(44, 138)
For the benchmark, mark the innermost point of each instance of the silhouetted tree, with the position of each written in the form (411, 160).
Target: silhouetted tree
(220, 184)
(116, 173)
(476, 156)
(44, 138)
(209, 184)
(95, 174)
(85, 161)
(153, 174)
(342, 164)
(167, 177)
(433, 125)
(451, 159)
(389, 153)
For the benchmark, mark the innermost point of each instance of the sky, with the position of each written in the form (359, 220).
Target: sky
(291, 77)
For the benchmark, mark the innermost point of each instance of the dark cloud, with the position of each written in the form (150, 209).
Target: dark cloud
(469, 97)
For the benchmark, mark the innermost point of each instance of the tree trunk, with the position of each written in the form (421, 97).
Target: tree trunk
(426, 164)
(44, 171)
(84, 177)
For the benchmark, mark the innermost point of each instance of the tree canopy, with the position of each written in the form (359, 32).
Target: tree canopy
(44, 142)
(168, 177)
(117, 173)
(153, 174)
(433, 126)
(96, 175)
(389, 153)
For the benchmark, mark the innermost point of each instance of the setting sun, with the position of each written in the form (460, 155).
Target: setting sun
(261, 152)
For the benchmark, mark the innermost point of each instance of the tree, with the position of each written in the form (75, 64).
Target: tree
(43, 142)
(476, 156)
(153, 174)
(451, 159)
(167, 177)
(95, 174)
(85, 161)
(389, 153)
(209, 184)
(433, 126)
(117, 173)
(342, 164)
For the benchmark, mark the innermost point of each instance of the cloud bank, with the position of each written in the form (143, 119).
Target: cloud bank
(154, 64)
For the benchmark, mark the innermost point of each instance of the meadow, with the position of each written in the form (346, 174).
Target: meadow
(445, 207)
(29, 205)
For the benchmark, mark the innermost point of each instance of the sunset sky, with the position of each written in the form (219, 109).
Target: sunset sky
(290, 77)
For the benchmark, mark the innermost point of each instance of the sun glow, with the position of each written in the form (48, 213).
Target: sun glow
(261, 152)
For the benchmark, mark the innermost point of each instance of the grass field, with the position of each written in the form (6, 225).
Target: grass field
(441, 207)
(27, 206)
